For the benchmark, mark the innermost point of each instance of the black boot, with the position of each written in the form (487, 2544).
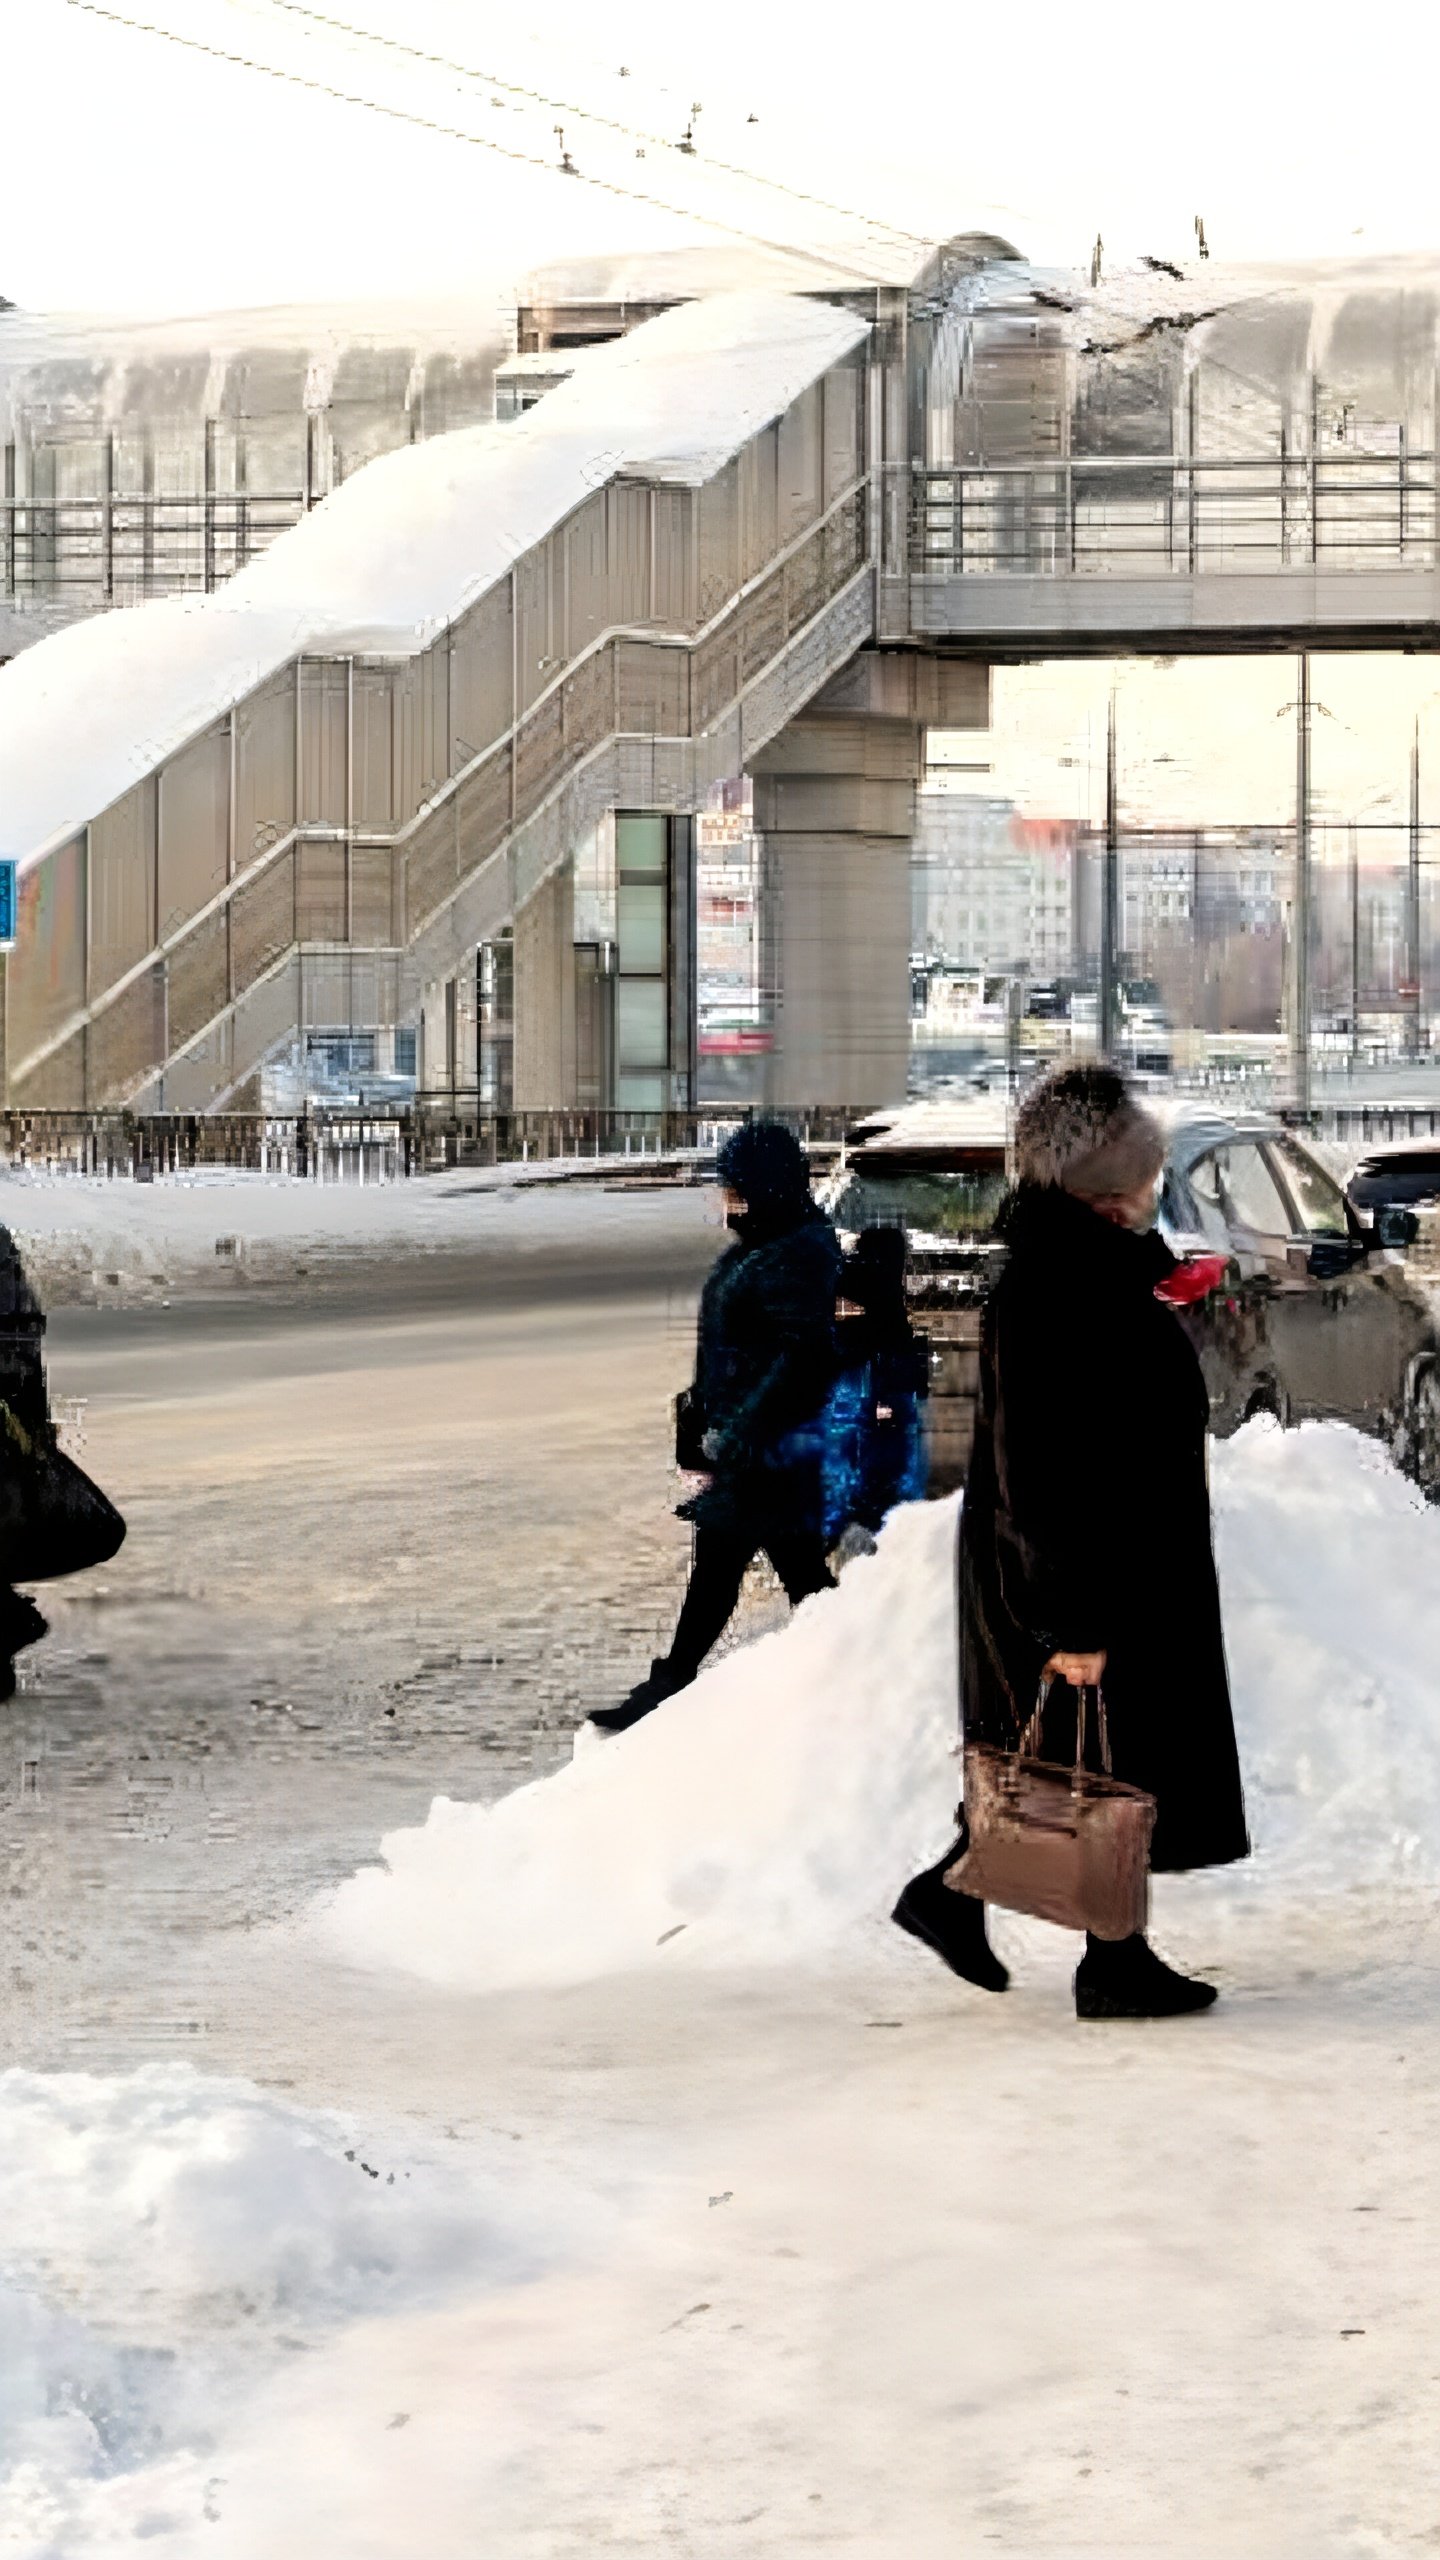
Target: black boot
(1124, 1978)
(951, 1925)
(20, 1622)
(659, 1683)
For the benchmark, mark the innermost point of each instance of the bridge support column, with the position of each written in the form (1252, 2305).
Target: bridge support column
(835, 809)
(545, 1074)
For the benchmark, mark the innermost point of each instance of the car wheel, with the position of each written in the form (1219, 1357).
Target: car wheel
(1420, 1432)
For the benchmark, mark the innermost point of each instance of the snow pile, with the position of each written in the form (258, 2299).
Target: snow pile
(1330, 1573)
(780, 1798)
(775, 1809)
(397, 552)
(167, 2241)
(84, 1237)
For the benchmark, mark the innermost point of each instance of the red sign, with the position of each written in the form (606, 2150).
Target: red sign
(734, 1044)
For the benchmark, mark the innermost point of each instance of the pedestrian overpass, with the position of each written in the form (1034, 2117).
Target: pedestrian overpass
(432, 760)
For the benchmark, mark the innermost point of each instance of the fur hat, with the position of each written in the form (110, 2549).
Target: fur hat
(1081, 1129)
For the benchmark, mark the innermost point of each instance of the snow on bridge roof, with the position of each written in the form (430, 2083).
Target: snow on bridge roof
(397, 553)
(89, 371)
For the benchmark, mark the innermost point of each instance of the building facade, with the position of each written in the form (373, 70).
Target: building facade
(991, 889)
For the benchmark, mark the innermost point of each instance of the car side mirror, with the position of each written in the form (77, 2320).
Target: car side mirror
(1395, 1228)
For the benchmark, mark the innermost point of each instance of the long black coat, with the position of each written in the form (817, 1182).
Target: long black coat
(22, 1329)
(1086, 1521)
(764, 1361)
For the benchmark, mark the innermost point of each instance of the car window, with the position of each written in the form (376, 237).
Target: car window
(1234, 1187)
(934, 1204)
(1318, 1198)
(1203, 1183)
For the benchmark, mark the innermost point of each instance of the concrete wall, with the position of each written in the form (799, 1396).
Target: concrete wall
(835, 809)
(545, 1075)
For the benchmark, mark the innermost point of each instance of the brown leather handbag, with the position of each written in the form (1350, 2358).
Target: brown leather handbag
(1063, 1844)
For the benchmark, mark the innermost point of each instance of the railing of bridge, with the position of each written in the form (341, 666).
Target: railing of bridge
(134, 547)
(1141, 517)
(334, 1144)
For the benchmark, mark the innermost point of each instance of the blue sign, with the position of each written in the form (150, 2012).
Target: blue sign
(8, 871)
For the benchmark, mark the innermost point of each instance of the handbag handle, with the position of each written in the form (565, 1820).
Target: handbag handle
(1030, 1738)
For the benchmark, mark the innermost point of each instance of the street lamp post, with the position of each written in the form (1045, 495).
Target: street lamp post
(1354, 947)
(1107, 1026)
(1414, 997)
(1300, 933)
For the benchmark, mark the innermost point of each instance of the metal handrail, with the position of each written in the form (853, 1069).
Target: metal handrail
(329, 1142)
(1083, 514)
(154, 544)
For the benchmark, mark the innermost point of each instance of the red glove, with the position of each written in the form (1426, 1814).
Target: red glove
(1193, 1280)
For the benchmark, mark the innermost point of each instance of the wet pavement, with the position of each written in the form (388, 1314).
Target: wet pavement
(378, 1551)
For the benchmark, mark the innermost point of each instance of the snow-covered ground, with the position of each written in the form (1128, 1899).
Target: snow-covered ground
(88, 1239)
(723, 2221)
(765, 1820)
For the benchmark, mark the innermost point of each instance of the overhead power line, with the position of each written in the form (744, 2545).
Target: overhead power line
(596, 116)
(452, 133)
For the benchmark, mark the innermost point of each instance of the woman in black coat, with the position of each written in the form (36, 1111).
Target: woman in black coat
(1085, 1544)
(764, 1362)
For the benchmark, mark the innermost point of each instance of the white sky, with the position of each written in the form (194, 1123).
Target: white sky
(136, 177)
(1212, 741)
(140, 178)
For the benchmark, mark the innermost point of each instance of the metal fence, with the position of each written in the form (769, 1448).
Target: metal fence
(1168, 516)
(330, 1145)
(132, 547)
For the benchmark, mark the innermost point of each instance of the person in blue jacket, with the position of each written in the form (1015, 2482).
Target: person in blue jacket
(873, 1426)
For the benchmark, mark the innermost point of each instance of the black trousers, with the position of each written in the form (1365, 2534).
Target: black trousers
(722, 1558)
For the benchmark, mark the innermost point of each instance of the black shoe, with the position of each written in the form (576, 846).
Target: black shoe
(20, 1623)
(1124, 1978)
(952, 1926)
(648, 1694)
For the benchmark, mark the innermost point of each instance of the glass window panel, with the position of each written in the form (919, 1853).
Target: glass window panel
(1316, 1194)
(1249, 1193)
(641, 844)
(639, 1093)
(640, 1022)
(642, 928)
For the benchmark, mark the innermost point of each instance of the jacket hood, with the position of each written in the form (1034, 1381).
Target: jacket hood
(765, 1164)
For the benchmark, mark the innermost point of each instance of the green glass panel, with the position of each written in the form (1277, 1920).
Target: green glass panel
(641, 844)
(642, 928)
(640, 1023)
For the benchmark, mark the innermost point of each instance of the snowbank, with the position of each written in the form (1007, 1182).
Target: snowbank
(167, 2241)
(84, 1238)
(772, 1812)
(397, 552)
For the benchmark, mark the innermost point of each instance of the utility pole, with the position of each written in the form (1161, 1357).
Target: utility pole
(1109, 901)
(1300, 927)
(1354, 947)
(1414, 995)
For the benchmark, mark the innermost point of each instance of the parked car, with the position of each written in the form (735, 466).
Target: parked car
(1317, 1316)
(1405, 1176)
